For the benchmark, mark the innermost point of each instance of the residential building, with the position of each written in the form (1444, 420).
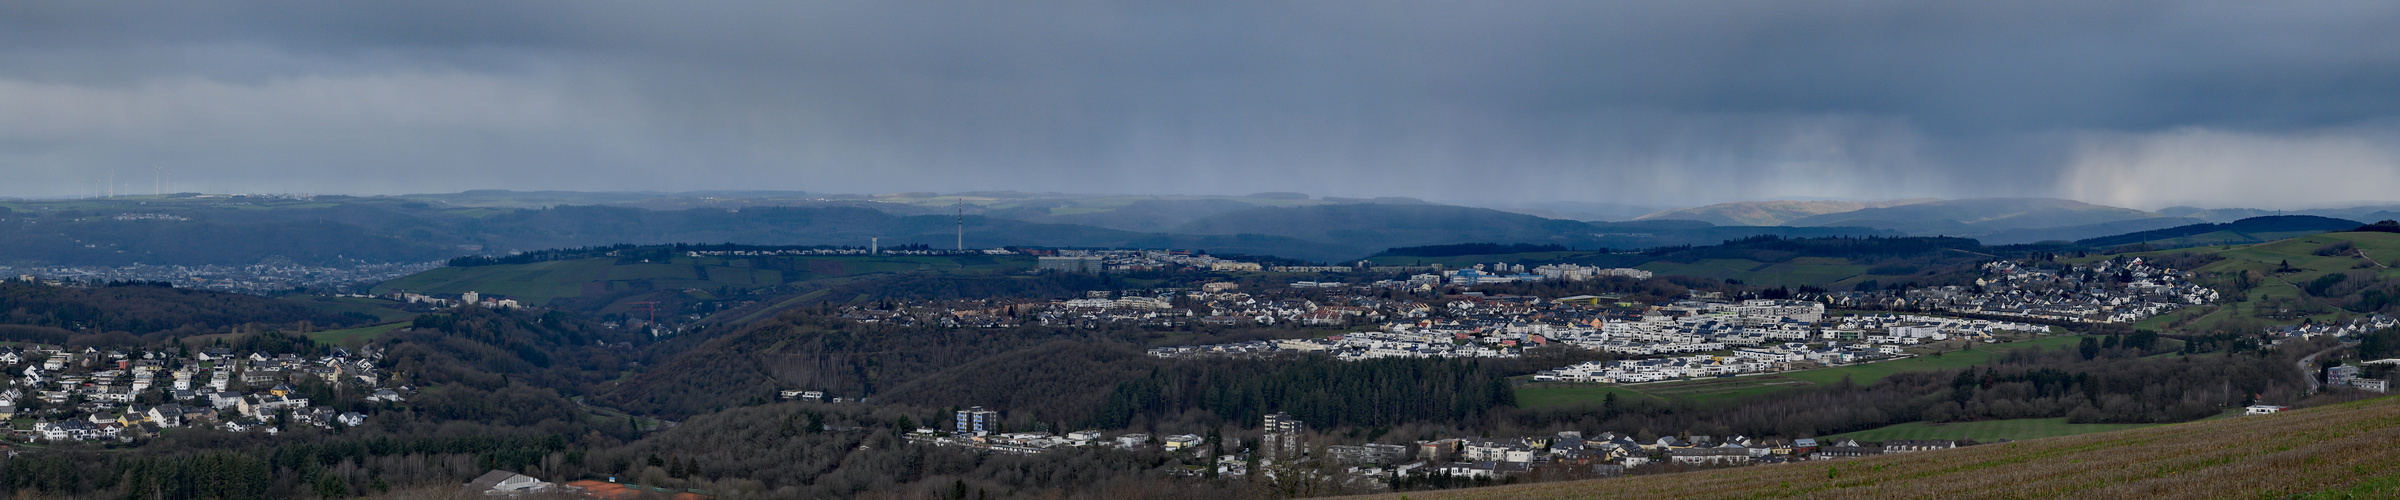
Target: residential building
(976, 422)
(1284, 437)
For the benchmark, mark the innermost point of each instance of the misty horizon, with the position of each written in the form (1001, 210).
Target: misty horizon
(2143, 105)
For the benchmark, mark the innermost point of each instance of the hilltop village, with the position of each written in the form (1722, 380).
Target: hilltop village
(1438, 314)
(2108, 291)
(56, 394)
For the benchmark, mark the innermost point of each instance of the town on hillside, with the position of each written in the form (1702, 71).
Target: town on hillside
(56, 394)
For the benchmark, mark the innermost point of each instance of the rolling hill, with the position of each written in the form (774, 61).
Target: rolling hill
(2309, 453)
(2053, 235)
(1978, 216)
(2251, 230)
(610, 284)
(1771, 213)
(1384, 226)
(1832, 262)
(1138, 215)
(2332, 277)
(1373, 227)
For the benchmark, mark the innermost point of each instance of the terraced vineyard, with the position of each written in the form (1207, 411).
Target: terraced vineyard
(1984, 431)
(2339, 451)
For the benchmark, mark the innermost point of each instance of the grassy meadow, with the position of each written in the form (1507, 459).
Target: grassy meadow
(1555, 394)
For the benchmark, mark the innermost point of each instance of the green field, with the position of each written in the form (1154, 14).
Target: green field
(1983, 431)
(353, 337)
(1535, 397)
(1553, 394)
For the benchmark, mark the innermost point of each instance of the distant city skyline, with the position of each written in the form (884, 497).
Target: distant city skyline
(2142, 104)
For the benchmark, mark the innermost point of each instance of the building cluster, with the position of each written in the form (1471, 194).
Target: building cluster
(2353, 376)
(469, 298)
(983, 429)
(2351, 329)
(872, 250)
(1110, 261)
(1286, 440)
(1513, 273)
(1607, 453)
(1683, 339)
(1105, 261)
(1218, 304)
(500, 483)
(276, 276)
(90, 394)
(2122, 290)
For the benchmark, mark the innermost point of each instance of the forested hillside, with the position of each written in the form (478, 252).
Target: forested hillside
(487, 394)
(492, 349)
(143, 312)
(809, 349)
(1111, 386)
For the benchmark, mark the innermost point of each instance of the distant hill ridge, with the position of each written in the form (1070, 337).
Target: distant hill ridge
(1772, 212)
(1978, 216)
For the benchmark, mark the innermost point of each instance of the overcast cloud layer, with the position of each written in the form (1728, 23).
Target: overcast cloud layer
(2133, 103)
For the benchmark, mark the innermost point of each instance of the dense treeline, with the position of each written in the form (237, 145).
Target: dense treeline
(2266, 224)
(1470, 249)
(554, 254)
(1322, 391)
(1061, 374)
(152, 313)
(1771, 248)
(811, 450)
(224, 475)
(1072, 385)
(1045, 286)
(809, 349)
(2380, 344)
(652, 252)
(308, 465)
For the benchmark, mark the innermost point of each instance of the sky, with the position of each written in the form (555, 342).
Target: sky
(2136, 103)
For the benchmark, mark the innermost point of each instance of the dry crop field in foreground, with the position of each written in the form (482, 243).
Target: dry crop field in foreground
(2350, 450)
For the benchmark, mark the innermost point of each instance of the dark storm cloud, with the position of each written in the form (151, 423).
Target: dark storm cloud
(2142, 103)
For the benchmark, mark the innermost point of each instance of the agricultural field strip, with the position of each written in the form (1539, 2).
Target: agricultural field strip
(2299, 452)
